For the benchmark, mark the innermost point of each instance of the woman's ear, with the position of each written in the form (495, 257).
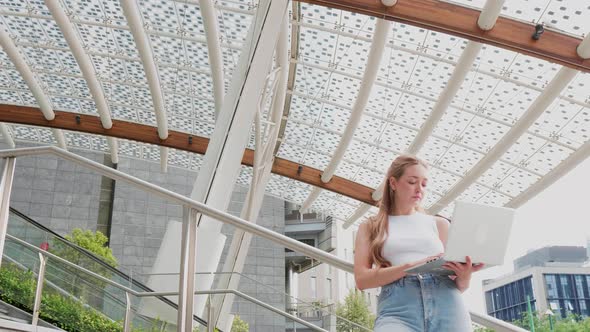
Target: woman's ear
(391, 183)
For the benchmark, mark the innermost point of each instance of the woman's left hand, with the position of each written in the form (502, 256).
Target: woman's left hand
(463, 272)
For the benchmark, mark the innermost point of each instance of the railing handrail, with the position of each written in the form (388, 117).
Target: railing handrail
(172, 293)
(221, 216)
(224, 217)
(299, 302)
(99, 261)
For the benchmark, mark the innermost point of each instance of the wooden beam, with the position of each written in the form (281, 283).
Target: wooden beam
(461, 21)
(177, 140)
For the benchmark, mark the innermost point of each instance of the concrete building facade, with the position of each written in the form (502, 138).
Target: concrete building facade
(550, 278)
(62, 196)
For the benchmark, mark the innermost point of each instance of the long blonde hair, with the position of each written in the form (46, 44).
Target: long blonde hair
(378, 225)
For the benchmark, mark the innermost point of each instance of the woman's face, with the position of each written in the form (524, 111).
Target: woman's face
(410, 188)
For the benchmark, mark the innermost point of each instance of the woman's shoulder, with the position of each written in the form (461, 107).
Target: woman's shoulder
(441, 221)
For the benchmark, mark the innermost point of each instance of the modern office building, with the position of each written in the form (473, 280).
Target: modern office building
(174, 126)
(552, 278)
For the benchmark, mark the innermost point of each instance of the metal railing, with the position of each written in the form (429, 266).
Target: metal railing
(309, 306)
(26, 221)
(44, 256)
(189, 227)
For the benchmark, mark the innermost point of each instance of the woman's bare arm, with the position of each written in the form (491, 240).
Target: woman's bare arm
(367, 276)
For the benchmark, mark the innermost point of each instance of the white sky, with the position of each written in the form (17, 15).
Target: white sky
(557, 216)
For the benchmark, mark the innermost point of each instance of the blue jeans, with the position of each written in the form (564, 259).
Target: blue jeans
(422, 303)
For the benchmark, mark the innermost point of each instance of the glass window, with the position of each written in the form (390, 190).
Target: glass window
(579, 286)
(551, 286)
(314, 287)
(583, 307)
(509, 295)
(566, 286)
(329, 286)
(528, 288)
(489, 302)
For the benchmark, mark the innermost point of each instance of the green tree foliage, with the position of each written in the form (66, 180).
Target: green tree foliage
(18, 289)
(95, 242)
(77, 283)
(571, 323)
(239, 325)
(354, 309)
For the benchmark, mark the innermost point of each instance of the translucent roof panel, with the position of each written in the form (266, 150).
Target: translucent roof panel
(567, 16)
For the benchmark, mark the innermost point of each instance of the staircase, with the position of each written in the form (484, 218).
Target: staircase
(63, 283)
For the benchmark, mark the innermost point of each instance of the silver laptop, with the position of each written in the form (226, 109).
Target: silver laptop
(478, 231)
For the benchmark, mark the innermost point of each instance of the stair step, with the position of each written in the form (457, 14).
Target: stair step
(14, 319)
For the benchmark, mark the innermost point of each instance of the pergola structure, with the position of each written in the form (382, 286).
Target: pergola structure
(493, 94)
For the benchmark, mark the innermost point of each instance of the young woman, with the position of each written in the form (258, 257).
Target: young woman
(399, 237)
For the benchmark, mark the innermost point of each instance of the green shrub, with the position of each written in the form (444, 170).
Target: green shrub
(95, 242)
(239, 325)
(17, 287)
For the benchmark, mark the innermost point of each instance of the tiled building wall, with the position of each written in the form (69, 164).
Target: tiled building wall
(62, 195)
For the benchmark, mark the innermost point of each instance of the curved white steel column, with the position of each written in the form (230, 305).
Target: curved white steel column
(144, 48)
(584, 47)
(133, 16)
(557, 84)
(489, 14)
(83, 60)
(209, 14)
(26, 73)
(114, 148)
(487, 20)
(6, 135)
(85, 64)
(446, 97)
(164, 159)
(555, 174)
(239, 247)
(60, 138)
(382, 28)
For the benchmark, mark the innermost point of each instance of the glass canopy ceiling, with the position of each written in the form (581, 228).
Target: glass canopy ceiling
(329, 54)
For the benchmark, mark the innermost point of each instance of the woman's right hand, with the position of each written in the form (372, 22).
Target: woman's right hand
(410, 265)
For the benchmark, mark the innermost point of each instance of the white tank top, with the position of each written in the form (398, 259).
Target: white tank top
(411, 238)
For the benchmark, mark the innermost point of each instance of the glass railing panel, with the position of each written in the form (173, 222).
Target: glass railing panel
(72, 299)
(258, 317)
(27, 230)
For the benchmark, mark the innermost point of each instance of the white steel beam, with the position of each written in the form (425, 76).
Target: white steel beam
(133, 16)
(114, 148)
(552, 176)
(557, 84)
(489, 14)
(444, 139)
(23, 68)
(6, 179)
(382, 28)
(583, 49)
(163, 159)
(389, 85)
(84, 62)
(60, 138)
(486, 21)
(7, 136)
(239, 247)
(210, 23)
(35, 88)
(222, 162)
(134, 20)
(446, 97)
